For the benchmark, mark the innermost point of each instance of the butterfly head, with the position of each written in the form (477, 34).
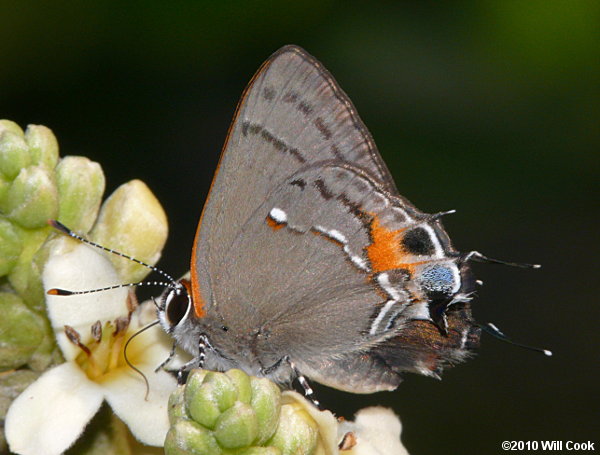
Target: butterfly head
(176, 306)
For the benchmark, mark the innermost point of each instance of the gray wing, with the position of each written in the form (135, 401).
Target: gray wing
(309, 265)
(292, 114)
(303, 230)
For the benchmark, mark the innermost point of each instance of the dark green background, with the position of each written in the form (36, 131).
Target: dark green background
(488, 107)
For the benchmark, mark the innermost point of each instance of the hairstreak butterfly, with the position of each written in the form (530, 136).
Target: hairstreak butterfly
(306, 257)
(307, 261)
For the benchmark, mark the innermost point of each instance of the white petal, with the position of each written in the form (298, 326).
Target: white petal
(377, 432)
(51, 413)
(74, 267)
(151, 348)
(147, 419)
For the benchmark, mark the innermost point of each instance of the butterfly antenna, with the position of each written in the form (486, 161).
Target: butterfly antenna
(491, 329)
(131, 365)
(65, 230)
(438, 215)
(65, 292)
(478, 257)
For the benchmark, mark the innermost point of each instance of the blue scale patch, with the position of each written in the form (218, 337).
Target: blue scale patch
(437, 278)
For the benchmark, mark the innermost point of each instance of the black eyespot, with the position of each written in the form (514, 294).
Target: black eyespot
(418, 241)
(224, 328)
(177, 304)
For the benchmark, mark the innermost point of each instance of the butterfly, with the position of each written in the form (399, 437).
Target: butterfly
(307, 262)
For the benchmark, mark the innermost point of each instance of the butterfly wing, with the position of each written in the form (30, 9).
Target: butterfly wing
(292, 114)
(304, 237)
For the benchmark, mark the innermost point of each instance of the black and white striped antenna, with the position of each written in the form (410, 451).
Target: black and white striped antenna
(172, 283)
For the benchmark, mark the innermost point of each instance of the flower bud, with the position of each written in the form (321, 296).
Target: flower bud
(297, 433)
(20, 332)
(177, 405)
(9, 125)
(258, 451)
(237, 426)
(25, 277)
(207, 395)
(324, 421)
(10, 246)
(186, 437)
(80, 185)
(266, 398)
(32, 199)
(133, 222)
(248, 416)
(242, 383)
(14, 154)
(43, 146)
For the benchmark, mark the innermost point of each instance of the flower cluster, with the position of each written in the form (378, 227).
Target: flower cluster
(36, 185)
(61, 356)
(218, 412)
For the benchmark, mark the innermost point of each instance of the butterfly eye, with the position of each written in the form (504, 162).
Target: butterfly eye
(177, 306)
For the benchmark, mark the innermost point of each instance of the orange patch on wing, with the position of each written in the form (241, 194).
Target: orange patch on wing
(385, 251)
(193, 289)
(274, 224)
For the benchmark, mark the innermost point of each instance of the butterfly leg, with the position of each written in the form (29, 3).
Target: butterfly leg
(268, 371)
(197, 362)
(309, 394)
(203, 345)
(168, 359)
(181, 371)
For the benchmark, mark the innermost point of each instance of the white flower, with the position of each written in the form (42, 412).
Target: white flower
(375, 431)
(51, 413)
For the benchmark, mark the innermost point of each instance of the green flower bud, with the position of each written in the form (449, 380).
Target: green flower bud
(20, 332)
(188, 438)
(4, 186)
(132, 221)
(80, 185)
(25, 276)
(258, 451)
(208, 395)
(43, 147)
(9, 125)
(47, 352)
(297, 433)
(248, 416)
(10, 246)
(177, 408)
(237, 426)
(32, 199)
(266, 402)
(325, 421)
(14, 154)
(242, 383)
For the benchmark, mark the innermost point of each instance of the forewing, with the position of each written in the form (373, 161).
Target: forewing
(292, 114)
